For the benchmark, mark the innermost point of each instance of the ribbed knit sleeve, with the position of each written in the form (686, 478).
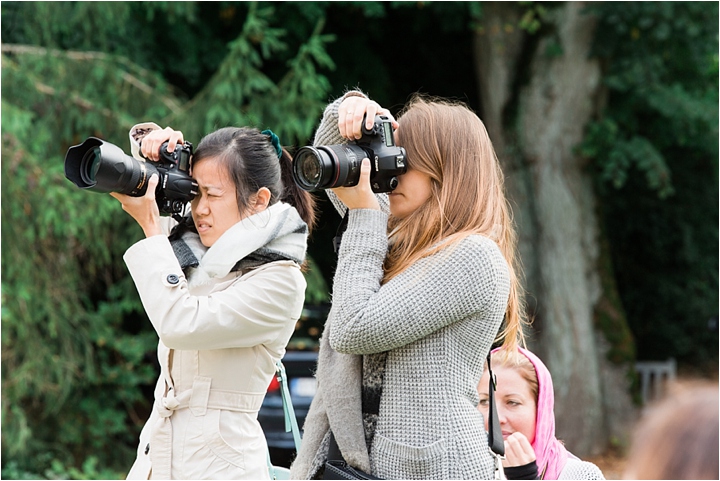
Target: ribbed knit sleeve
(467, 279)
(329, 134)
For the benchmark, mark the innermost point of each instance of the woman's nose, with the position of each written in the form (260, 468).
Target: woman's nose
(502, 418)
(201, 205)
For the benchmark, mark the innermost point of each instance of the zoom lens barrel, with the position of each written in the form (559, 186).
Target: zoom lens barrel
(330, 166)
(327, 167)
(313, 168)
(100, 166)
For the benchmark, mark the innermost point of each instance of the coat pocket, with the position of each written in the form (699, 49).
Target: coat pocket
(394, 460)
(216, 443)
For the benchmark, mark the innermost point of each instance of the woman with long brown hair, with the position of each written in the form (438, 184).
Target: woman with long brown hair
(425, 276)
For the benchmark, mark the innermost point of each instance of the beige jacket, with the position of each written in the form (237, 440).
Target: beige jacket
(218, 345)
(217, 353)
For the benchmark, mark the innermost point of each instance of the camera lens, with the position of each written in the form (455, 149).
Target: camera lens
(90, 165)
(328, 166)
(103, 167)
(312, 168)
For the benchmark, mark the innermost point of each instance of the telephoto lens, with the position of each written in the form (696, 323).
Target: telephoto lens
(100, 166)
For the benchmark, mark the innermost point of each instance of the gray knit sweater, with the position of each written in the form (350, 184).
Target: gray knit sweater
(434, 323)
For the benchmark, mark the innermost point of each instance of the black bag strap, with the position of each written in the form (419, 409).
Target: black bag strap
(337, 468)
(334, 453)
(340, 231)
(495, 438)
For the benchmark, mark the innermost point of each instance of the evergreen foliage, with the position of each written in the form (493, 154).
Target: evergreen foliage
(77, 348)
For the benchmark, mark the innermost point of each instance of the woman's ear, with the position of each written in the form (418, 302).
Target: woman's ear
(261, 199)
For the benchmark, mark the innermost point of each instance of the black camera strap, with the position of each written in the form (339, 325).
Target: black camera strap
(340, 231)
(495, 438)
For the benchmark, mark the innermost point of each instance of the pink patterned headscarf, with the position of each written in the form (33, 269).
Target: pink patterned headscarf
(550, 453)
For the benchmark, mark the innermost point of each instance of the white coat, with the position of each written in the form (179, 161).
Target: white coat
(220, 334)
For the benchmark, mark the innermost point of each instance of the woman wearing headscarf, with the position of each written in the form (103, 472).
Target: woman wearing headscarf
(525, 405)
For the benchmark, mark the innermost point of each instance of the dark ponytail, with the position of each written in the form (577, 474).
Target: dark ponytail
(301, 199)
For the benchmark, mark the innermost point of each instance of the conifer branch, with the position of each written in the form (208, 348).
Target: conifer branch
(133, 80)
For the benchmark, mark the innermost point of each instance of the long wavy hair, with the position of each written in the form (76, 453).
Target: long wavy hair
(448, 142)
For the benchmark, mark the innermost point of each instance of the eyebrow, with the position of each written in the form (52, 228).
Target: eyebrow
(208, 187)
(510, 394)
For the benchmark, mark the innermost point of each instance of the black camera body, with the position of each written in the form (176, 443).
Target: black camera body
(330, 166)
(100, 166)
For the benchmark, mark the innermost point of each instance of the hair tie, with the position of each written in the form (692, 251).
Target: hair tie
(275, 141)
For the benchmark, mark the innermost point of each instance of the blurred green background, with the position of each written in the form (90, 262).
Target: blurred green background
(78, 354)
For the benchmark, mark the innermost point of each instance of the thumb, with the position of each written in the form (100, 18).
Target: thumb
(365, 170)
(152, 185)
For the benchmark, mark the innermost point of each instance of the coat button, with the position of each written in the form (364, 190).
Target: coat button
(147, 448)
(173, 279)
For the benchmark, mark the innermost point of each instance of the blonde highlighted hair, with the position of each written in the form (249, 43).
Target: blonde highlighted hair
(448, 142)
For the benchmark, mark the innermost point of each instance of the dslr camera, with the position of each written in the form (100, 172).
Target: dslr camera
(330, 166)
(100, 166)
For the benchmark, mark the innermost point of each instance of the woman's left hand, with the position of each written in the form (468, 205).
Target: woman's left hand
(518, 451)
(353, 110)
(359, 196)
(143, 209)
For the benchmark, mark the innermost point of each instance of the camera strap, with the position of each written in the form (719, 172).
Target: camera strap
(495, 438)
(340, 231)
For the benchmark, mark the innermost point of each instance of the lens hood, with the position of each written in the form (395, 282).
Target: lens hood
(74, 159)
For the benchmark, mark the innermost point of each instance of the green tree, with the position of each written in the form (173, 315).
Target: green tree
(77, 348)
(655, 154)
(582, 99)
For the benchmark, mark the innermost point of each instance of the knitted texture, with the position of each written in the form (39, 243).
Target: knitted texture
(577, 469)
(372, 383)
(435, 322)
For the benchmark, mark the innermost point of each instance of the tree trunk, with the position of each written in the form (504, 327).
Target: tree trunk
(538, 93)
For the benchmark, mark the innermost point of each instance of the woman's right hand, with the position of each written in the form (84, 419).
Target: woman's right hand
(359, 196)
(518, 451)
(150, 146)
(351, 112)
(143, 209)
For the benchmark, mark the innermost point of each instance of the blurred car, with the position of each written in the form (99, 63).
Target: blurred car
(300, 369)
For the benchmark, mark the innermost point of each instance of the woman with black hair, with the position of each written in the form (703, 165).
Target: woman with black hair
(223, 291)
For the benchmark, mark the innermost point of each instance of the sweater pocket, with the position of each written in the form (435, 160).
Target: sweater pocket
(394, 460)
